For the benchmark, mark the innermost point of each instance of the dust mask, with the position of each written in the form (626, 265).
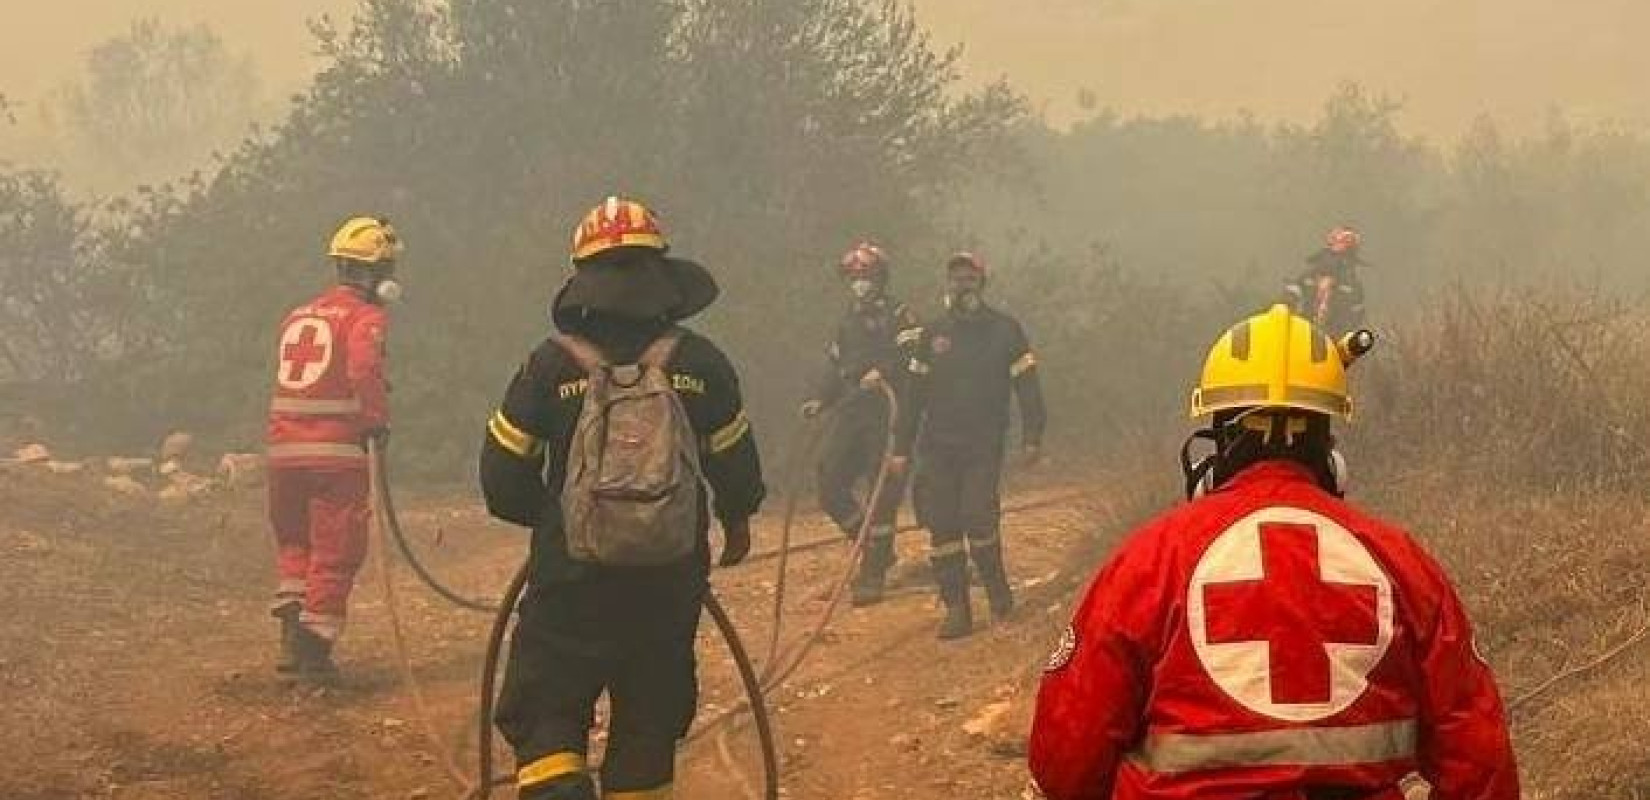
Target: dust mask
(388, 291)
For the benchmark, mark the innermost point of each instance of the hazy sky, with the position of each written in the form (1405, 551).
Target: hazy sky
(1451, 60)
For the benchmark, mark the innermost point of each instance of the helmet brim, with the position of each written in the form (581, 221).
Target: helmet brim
(671, 288)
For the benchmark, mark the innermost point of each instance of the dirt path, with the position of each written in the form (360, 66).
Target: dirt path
(135, 663)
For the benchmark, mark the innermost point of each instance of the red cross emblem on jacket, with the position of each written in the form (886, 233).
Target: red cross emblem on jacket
(1267, 640)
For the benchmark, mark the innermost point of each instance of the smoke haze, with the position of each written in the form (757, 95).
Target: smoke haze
(1516, 60)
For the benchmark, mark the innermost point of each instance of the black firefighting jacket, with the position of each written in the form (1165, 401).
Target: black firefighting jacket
(1329, 292)
(524, 455)
(961, 376)
(880, 335)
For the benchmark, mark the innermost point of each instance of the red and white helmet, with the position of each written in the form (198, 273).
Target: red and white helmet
(865, 260)
(1343, 239)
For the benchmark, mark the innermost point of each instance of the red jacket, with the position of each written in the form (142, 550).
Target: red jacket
(329, 382)
(1262, 641)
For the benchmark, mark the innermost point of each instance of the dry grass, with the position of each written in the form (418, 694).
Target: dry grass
(1509, 434)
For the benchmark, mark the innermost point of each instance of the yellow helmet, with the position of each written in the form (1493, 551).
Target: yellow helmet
(369, 240)
(617, 222)
(1278, 360)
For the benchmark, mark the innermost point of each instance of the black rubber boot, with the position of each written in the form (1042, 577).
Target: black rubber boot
(959, 616)
(873, 570)
(314, 658)
(988, 561)
(287, 613)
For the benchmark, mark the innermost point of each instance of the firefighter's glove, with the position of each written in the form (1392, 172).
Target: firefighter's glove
(811, 409)
(736, 542)
(871, 380)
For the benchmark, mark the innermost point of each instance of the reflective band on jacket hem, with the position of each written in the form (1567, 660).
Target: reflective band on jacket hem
(548, 768)
(948, 550)
(315, 450)
(1308, 747)
(315, 405)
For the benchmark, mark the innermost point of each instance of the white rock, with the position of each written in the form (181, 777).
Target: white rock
(125, 485)
(126, 466)
(33, 453)
(987, 719)
(176, 445)
(241, 469)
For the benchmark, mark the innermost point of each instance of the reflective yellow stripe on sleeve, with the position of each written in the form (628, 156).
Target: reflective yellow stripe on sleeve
(549, 768)
(1023, 364)
(730, 434)
(917, 367)
(512, 438)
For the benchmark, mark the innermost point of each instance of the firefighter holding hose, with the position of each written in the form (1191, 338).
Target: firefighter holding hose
(874, 340)
(603, 445)
(330, 399)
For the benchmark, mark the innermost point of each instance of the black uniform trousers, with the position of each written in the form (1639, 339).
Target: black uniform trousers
(957, 495)
(629, 632)
(852, 456)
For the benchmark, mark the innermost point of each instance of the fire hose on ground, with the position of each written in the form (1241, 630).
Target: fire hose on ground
(481, 787)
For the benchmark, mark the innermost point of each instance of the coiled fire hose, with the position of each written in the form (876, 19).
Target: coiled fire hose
(481, 787)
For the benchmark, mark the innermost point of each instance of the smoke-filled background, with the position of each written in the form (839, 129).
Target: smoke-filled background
(1138, 174)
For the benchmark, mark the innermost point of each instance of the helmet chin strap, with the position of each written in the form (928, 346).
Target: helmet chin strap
(1200, 476)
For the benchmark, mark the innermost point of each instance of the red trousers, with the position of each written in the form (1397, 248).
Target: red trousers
(320, 521)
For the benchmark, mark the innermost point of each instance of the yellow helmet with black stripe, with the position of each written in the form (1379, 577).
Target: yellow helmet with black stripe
(1277, 360)
(366, 240)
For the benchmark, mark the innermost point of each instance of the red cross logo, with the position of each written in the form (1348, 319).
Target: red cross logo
(1289, 613)
(306, 350)
(1294, 611)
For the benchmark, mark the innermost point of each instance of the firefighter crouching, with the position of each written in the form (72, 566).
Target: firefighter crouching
(967, 364)
(592, 620)
(874, 341)
(330, 398)
(1268, 640)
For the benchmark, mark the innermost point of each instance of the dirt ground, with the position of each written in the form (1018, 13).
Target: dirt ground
(135, 651)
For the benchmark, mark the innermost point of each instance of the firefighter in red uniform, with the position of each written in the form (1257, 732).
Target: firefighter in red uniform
(1267, 640)
(874, 341)
(330, 400)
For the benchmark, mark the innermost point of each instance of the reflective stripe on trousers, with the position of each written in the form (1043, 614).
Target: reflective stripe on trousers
(315, 405)
(1310, 747)
(315, 450)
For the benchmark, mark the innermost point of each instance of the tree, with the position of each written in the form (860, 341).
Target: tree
(156, 102)
(769, 133)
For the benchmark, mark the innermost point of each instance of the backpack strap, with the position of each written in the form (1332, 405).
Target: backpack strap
(663, 349)
(583, 353)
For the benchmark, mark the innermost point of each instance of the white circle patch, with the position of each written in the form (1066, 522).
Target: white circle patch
(305, 354)
(1289, 613)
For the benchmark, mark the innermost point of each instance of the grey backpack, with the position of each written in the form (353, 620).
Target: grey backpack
(632, 495)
